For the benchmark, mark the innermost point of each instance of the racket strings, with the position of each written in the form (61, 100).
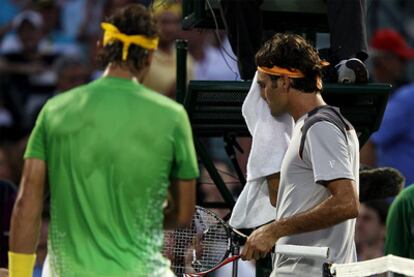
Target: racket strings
(198, 248)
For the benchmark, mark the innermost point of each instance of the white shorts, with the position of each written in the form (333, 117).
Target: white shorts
(47, 271)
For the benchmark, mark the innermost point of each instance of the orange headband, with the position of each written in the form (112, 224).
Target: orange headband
(279, 71)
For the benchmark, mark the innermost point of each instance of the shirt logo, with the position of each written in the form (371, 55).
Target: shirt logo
(332, 163)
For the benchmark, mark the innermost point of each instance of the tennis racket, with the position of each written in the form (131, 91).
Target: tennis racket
(203, 247)
(207, 244)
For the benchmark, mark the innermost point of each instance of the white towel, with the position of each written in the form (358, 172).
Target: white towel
(271, 137)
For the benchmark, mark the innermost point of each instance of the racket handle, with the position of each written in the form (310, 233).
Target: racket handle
(302, 251)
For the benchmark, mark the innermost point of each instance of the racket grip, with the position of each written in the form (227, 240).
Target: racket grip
(302, 251)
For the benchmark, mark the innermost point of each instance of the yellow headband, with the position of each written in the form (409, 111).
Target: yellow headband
(279, 71)
(112, 33)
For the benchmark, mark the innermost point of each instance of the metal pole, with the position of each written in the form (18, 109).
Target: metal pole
(212, 171)
(181, 84)
(236, 251)
(231, 142)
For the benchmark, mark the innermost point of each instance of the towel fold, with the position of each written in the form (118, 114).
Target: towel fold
(271, 137)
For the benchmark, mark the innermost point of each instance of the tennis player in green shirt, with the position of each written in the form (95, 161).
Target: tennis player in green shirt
(400, 225)
(111, 151)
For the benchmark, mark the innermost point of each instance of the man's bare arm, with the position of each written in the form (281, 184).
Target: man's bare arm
(27, 211)
(181, 207)
(343, 204)
(273, 187)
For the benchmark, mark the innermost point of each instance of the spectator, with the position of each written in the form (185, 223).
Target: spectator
(379, 183)
(7, 198)
(370, 229)
(5, 168)
(400, 225)
(14, 148)
(112, 6)
(71, 72)
(218, 61)
(5, 29)
(213, 60)
(11, 8)
(390, 55)
(376, 184)
(53, 35)
(162, 74)
(81, 21)
(81, 18)
(29, 33)
(27, 66)
(393, 144)
(6, 119)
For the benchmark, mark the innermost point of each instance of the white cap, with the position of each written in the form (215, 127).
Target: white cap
(33, 17)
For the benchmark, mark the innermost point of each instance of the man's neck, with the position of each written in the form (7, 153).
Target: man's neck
(116, 71)
(302, 103)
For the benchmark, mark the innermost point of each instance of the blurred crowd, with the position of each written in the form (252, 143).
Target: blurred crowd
(48, 47)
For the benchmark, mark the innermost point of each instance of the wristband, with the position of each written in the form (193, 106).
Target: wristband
(21, 265)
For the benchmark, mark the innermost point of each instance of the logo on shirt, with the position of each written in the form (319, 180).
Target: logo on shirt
(332, 163)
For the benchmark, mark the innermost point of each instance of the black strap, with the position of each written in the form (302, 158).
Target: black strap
(324, 113)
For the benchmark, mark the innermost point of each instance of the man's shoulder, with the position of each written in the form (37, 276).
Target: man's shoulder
(326, 118)
(323, 121)
(404, 202)
(407, 193)
(66, 98)
(328, 114)
(156, 102)
(161, 101)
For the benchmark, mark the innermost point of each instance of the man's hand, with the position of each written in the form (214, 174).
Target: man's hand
(260, 242)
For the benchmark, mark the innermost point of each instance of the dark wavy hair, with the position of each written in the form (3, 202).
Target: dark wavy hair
(292, 52)
(133, 19)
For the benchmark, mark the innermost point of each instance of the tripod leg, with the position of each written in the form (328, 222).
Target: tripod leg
(235, 251)
(229, 142)
(215, 176)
